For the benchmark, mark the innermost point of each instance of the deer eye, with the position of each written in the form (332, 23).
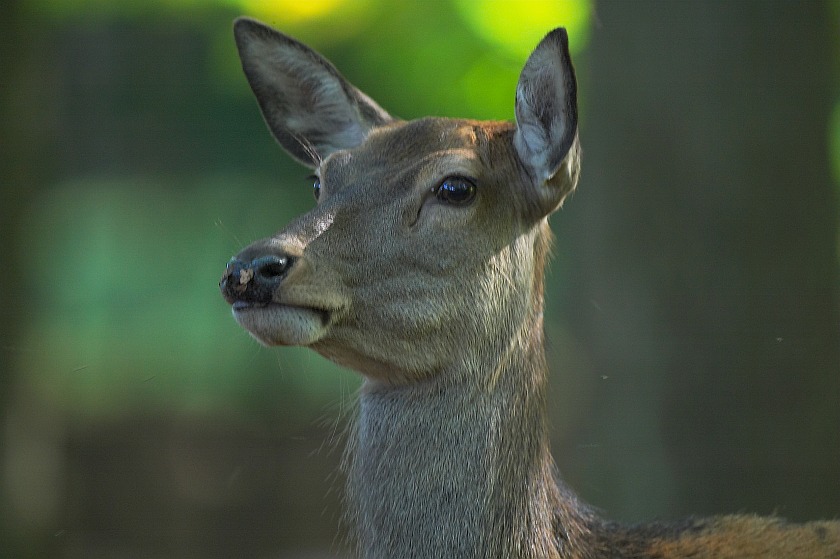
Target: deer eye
(316, 186)
(456, 191)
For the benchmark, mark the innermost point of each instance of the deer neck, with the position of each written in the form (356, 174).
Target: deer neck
(463, 469)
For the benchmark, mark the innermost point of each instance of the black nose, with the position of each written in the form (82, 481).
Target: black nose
(253, 282)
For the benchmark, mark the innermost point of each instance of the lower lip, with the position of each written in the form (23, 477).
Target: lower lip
(242, 306)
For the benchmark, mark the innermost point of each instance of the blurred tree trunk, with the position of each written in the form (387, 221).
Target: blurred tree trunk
(15, 171)
(706, 286)
(20, 141)
(31, 437)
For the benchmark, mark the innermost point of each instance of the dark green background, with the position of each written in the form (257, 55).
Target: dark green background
(693, 324)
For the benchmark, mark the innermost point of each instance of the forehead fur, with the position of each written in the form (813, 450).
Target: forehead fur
(402, 140)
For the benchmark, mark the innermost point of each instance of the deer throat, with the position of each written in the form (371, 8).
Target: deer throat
(448, 471)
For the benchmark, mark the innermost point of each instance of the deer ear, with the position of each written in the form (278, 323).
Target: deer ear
(309, 107)
(546, 120)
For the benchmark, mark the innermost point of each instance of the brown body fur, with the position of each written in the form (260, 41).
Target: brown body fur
(725, 537)
(438, 302)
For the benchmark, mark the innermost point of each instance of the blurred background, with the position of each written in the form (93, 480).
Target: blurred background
(693, 323)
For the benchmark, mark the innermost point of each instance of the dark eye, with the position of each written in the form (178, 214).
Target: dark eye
(457, 191)
(316, 186)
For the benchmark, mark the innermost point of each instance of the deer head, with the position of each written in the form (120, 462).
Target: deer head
(424, 251)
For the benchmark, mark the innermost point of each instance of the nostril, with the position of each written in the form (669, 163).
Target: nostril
(271, 268)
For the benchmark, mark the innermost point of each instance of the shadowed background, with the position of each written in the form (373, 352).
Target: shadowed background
(692, 305)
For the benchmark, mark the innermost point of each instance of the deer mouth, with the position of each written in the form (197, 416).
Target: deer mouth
(282, 324)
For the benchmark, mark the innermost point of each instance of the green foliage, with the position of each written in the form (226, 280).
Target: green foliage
(126, 310)
(517, 25)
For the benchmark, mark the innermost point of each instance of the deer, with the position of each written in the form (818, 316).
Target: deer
(421, 267)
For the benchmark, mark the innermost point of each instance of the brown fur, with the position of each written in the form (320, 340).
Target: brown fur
(731, 537)
(439, 305)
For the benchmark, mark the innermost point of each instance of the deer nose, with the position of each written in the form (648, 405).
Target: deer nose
(253, 282)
